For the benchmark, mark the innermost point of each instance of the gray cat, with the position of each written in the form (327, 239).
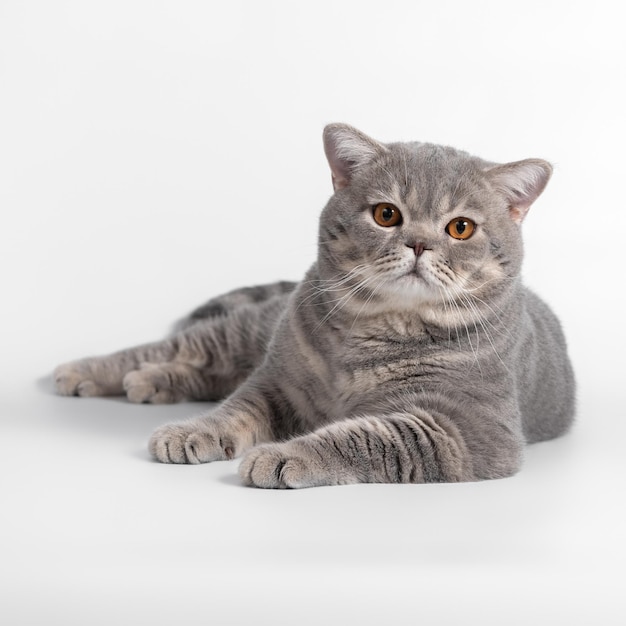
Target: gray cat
(409, 353)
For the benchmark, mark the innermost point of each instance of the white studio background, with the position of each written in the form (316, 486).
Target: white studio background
(153, 154)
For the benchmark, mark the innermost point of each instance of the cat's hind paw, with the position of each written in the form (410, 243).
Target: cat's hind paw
(150, 384)
(71, 379)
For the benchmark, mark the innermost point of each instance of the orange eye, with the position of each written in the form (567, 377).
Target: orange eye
(386, 214)
(461, 228)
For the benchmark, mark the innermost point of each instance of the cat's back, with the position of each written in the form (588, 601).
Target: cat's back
(545, 378)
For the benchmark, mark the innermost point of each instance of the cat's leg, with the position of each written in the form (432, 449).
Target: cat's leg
(416, 446)
(163, 372)
(205, 361)
(176, 381)
(104, 375)
(248, 417)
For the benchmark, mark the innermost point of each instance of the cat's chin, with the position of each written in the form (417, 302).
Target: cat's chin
(413, 290)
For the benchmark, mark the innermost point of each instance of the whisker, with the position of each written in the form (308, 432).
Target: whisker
(446, 314)
(334, 284)
(482, 321)
(454, 303)
(368, 300)
(341, 303)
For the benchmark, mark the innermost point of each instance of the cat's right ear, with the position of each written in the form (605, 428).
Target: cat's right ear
(347, 149)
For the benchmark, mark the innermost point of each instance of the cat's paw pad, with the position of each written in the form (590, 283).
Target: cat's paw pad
(280, 466)
(71, 379)
(189, 442)
(150, 384)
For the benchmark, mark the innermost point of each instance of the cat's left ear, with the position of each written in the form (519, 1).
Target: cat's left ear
(347, 149)
(521, 183)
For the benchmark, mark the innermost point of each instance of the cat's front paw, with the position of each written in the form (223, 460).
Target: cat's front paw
(283, 466)
(195, 441)
(75, 379)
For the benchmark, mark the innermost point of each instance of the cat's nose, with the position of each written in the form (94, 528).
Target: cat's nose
(418, 247)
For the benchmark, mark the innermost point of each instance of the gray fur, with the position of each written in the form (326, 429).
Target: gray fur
(403, 356)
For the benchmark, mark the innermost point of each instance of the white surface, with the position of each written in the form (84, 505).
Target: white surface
(154, 154)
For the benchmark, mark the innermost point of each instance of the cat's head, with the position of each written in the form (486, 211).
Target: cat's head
(418, 222)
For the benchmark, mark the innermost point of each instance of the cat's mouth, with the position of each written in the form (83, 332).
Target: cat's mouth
(417, 276)
(416, 272)
(421, 277)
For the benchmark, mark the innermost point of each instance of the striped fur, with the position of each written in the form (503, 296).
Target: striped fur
(384, 364)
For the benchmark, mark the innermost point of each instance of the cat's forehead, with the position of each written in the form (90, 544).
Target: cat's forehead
(426, 173)
(432, 164)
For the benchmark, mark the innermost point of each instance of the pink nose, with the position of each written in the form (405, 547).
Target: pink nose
(418, 248)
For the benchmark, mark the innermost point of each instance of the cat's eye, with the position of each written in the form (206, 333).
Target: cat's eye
(461, 228)
(386, 214)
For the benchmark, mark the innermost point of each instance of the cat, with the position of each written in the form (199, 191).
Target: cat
(410, 353)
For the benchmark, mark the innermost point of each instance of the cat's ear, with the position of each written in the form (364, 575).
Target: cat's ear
(347, 149)
(520, 183)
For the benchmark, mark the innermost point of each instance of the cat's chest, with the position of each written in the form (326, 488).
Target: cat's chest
(386, 359)
(383, 360)
(344, 370)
